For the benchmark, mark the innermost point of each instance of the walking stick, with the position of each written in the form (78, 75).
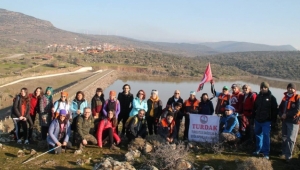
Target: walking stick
(41, 154)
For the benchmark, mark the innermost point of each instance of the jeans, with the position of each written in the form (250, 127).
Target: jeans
(289, 136)
(262, 135)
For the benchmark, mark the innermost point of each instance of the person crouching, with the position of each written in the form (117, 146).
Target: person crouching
(59, 133)
(229, 126)
(137, 126)
(107, 131)
(167, 128)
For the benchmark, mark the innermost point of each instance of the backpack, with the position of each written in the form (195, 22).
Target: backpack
(128, 122)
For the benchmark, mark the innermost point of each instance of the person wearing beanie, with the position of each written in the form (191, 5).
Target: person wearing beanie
(189, 106)
(125, 98)
(265, 116)
(59, 133)
(224, 99)
(289, 113)
(167, 128)
(229, 126)
(112, 103)
(61, 103)
(45, 110)
(154, 111)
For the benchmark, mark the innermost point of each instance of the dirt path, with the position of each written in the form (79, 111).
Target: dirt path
(13, 56)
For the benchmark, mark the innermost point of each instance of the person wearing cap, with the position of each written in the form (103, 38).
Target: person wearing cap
(265, 116)
(246, 119)
(138, 103)
(97, 106)
(205, 106)
(229, 126)
(289, 112)
(61, 103)
(189, 106)
(125, 98)
(45, 111)
(223, 99)
(59, 133)
(112, 103)
(167, 128)
(236, 98)
(154, 112)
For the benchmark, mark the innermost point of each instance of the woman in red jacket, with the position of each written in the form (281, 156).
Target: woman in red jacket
(107, 131)
(34, 107)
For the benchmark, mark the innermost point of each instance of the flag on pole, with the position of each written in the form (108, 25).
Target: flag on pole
(206, 77)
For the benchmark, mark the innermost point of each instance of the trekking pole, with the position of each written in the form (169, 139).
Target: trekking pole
(41, 154)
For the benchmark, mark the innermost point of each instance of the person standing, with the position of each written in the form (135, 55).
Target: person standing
(265, 115)
(246, 112)
(138, 103)
(20, 114)
(85, 129)
(61, 103)
(154, 112)
(45, 106)
(289, 112)
(236, 98)
(59, 133)
(223, 99)
(190, 105)
(125, 99)
(175, 98)
(34, 98)
(112, 103)
(205, 106)
(97, 106)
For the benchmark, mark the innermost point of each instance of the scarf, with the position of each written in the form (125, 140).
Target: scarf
(154, 101)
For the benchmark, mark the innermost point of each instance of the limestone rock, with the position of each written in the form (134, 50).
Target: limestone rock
(111, 164)
(183, 164)
(129, 156)
(173, 146)
(78, 152)
(20, 153)
(148, 147)
(32, 152)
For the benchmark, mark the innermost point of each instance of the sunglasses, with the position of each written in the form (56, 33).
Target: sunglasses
(63, 96)
(176, 93)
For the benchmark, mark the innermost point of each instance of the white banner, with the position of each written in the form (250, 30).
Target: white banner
(204, 128)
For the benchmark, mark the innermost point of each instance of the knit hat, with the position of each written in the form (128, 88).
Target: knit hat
(51, 90)
(170, 114)
(291, 85)
(228, 107)
(112, 93)
(264, 84)
(63, 112)
(63, 93)
(193, 93)
(154, 92)
(226, 87)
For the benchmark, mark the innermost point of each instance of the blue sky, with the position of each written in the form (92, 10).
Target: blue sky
(273, 22)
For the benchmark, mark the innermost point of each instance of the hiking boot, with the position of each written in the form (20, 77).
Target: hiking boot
(266, 157)
(113, 147)
(26, 142)
(19, 141)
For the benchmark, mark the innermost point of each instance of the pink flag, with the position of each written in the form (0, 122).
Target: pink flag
(206, 77)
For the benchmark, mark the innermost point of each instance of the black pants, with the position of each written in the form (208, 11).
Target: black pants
(152, 125)
(186, 127)
(107, 134)
(31, 124)
(44, 131)
(177, 124)
(24, 126)
(122, 117)
(131, 137)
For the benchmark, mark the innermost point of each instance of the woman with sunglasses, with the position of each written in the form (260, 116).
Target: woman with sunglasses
(138, 103)
(45, 110)
(61, 103)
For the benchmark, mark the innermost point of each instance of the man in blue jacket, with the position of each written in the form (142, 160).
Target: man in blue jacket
(229, 126)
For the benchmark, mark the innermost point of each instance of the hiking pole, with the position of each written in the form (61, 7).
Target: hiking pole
(41, 154)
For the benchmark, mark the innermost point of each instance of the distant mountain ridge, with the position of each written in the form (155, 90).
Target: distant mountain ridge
(20, 28)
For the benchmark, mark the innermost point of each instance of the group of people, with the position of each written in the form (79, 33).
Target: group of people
(244, 116)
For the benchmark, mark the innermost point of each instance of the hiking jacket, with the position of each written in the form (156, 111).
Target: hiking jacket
(111, 104)
(85, 126)
(223, 101)
(171, 102)
(167, 130)
(97, 105)
(290, 106)
(157, 108)
(230, 124)
(191, 106)
(45, 111)
(34, 104)
(138, 105)
(236, 101)
(125, 103)
(103, 125)
(206, 108)
(16, 109)
(54, 130)
(248, 104)
(78, 105)
(265, 107)
(137, 127)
